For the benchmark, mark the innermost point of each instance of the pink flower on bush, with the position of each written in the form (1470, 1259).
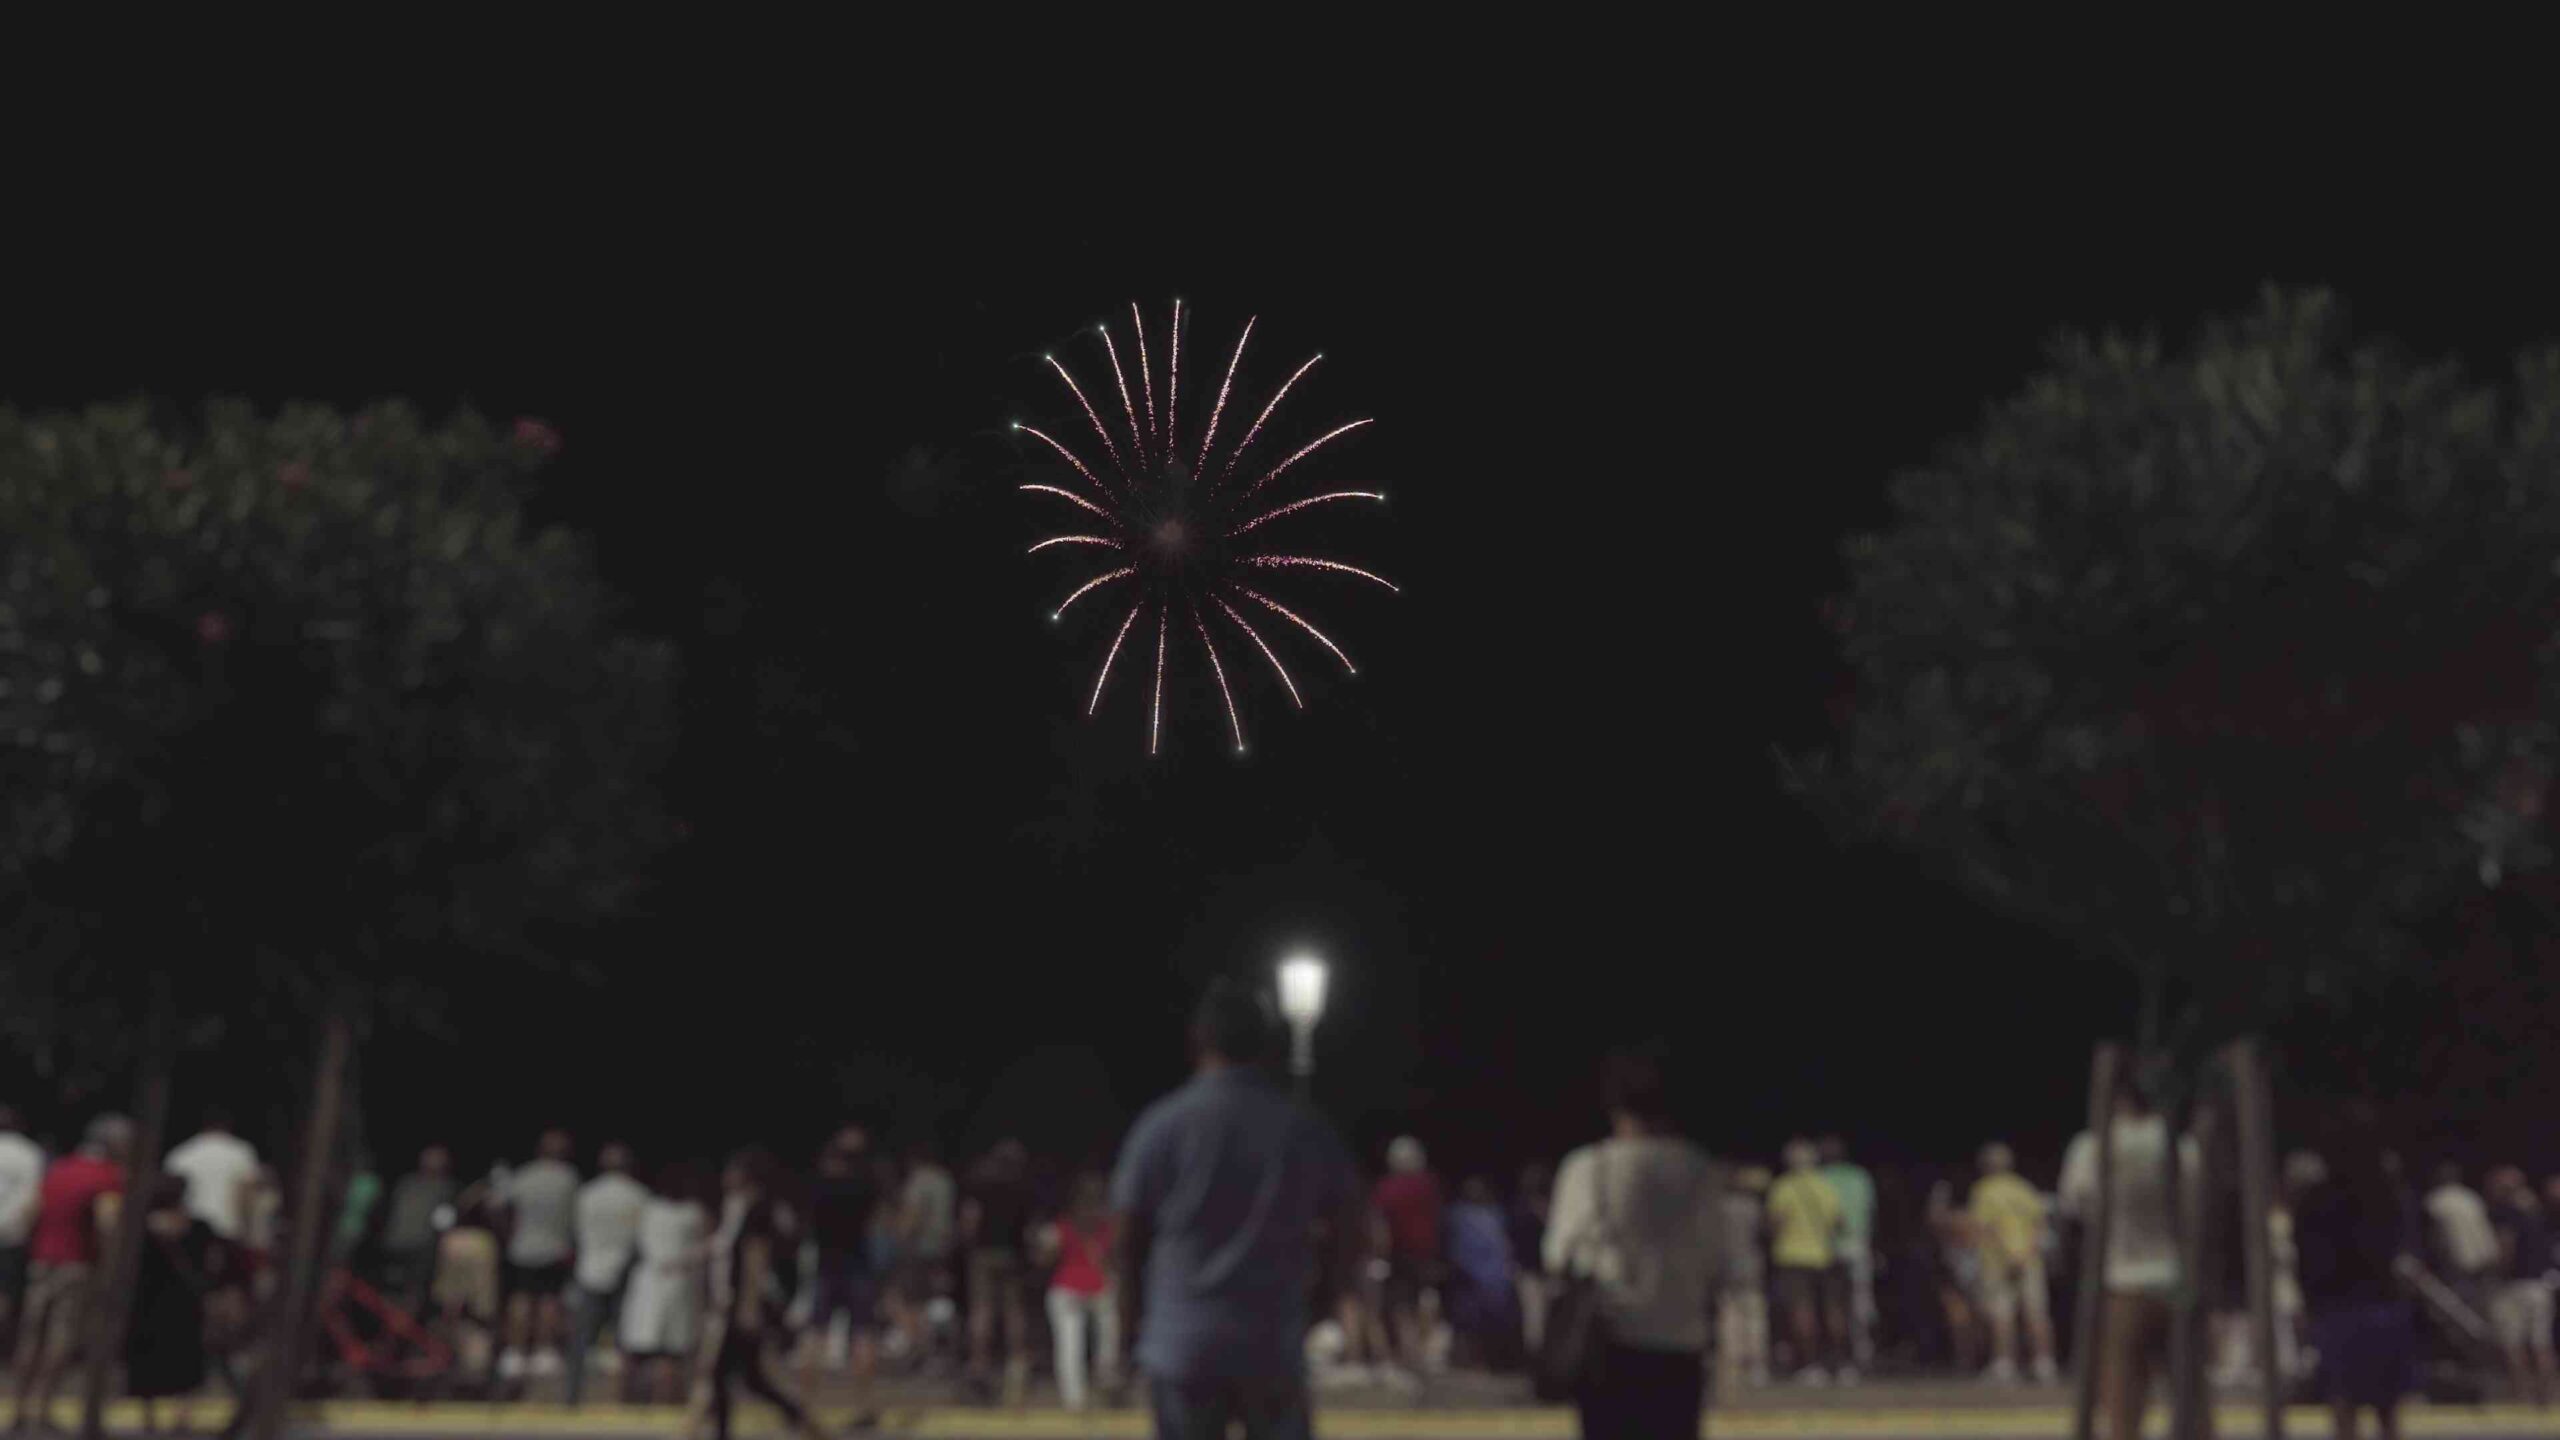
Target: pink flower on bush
(213, 627)
(294, 476)
(537, 435)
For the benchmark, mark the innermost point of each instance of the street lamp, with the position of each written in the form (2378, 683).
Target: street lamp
(1302, 986)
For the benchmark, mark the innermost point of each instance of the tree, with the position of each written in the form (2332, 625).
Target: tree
(2230, 666)
(300, 720)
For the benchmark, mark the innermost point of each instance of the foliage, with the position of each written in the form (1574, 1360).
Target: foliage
(295, 702)
(2230, 664)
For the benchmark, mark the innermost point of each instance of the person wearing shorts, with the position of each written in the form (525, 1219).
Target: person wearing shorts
(996, 1224)
(844, 1206)
(62, 1248)
(2008, 1216)
(541, 1202)
(1804, 1229)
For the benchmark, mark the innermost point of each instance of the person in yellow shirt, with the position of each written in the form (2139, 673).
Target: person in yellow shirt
(2008, 1221)
(1804, 1231)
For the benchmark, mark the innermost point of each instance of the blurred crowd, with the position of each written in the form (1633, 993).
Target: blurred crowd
(600, 1274)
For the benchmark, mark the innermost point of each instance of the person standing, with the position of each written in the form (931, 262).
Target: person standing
(995, 1225)
(1742, 1314)
(2462, 1242)
(1221, 1192)
(1530, 1205)
(755, 1291)
(62, 1251)
(2351, 1229)
(409, 1226)
(221, 1170)
(844, 1314)
(21, 1183)
(2008, 1220)
(1483, 1294)
(182, 1262)
(662, 1314)
(2520, 1308)
(541, 1204)
(1408, 1201)
(1084, 1312)
(608, 1241)
(1854, 1298)
(926, 1206)
(1642, 1214)
(2141, 1271)
(1804, 1234)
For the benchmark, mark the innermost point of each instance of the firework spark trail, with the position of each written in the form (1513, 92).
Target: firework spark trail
(1123, 573)
(1256, 636)
(1223, 387)
(1281, 394)
(1235, 721)
(1155, 717)
(1078, 391)
(1173, 386)
(1099, 487)
(1300, 621)
(1303, 504)
(1068, 495)
(1272, 562)
(1274, 472)
(1146, 376)
(1136, 436)
(1073, 540)
(1096, 702)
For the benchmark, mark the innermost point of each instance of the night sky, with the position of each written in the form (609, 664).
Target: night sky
(1623, 422)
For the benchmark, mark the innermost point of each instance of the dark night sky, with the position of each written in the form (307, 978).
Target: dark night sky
(1626, 408)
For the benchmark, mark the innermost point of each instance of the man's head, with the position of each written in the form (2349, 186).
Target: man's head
(1998, 1159)
(614, 1159)
(1752, 1179)
(2304, 1169)
(556, 1145)
(853, 1140)
(1632, 1089)
(435, 1160)
(1835, 1151)
(1801, 1156)
(110, 1137)
(1233, 1026)
(217, 1120)
(2507, 1183)
(1476, 1190)
(1405, 1156)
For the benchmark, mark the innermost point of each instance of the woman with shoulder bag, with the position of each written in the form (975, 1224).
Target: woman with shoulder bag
(1636, 1235)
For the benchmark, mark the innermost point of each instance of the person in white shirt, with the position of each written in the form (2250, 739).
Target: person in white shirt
(220, 1169)
(21, 1182)
(1642, 1214)
(608, 1220)
(2141, 1269)
(2462, 1241)
(541, 1200)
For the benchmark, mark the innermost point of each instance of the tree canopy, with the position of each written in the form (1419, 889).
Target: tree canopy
(295, 702)
(2231, 664)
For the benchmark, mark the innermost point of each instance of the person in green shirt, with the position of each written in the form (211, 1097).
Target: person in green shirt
(1856, 1190)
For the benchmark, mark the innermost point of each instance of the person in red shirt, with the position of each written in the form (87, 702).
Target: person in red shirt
(1081, 1300)
(1409, 1202)
(62, 1250)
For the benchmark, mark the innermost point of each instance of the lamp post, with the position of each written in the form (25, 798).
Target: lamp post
(1302, 987)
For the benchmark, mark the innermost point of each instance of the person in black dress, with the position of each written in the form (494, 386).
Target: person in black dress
(758, 1244)
(164, 1352)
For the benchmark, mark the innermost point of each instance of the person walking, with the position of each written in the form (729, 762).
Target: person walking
(1804, 1232)
(1409, 1202)
(1642, 1214)
(1084, 1309)
(62, 1250)
(2009, 1219)
(753, 1284)
(1221, 1191)
(608, 1242)
(2141, 1271)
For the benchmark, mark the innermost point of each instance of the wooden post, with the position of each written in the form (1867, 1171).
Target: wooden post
(2105, 1067)
(282, 1372)
(104, 1325)
(2256, 1136)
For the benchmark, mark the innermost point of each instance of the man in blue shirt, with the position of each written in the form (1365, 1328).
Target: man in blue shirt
(1224, 1189)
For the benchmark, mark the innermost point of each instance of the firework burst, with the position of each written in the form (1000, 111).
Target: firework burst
(1186, 527)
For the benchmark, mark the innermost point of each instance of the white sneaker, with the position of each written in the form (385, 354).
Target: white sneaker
(1813, 1377)
(2048, 1373)
(2002, 1372)
(547, 1363)
(511, 1365)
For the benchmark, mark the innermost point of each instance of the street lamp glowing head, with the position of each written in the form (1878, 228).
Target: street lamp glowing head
(1302, 987)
